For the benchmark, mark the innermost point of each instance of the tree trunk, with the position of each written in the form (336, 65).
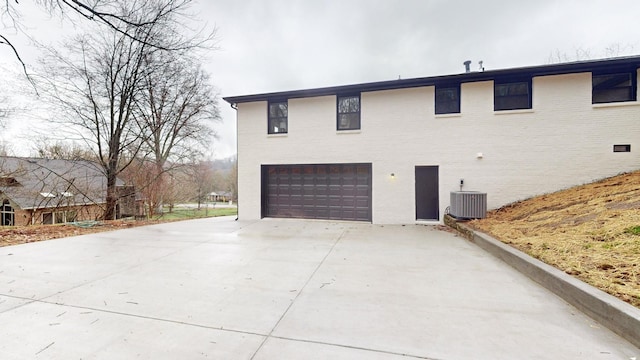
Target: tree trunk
(160, 188)
(112, 197)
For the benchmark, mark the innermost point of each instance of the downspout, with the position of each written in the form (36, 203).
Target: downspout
(234, 106)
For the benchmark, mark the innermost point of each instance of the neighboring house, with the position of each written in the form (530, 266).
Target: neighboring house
(392, 151)
(219, 196)
(53, 191)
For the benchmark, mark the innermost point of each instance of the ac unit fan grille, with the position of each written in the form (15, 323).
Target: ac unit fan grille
(468, 205)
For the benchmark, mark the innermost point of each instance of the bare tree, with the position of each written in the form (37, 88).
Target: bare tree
(178, 109)
(5, 150)
(110, 14)
(7, 109)
(173, 190)
(232, 180)
(63, 150)
(101, 88)
(141, 173)
(583, 54)
(3, 114)
(201, 180)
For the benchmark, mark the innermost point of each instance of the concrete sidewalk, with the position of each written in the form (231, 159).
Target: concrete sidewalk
(282, 289)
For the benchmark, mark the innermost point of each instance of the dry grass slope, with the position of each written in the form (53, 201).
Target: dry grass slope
(591, 232)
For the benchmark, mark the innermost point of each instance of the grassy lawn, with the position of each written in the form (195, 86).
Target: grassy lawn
(184, 214)
(14, 235)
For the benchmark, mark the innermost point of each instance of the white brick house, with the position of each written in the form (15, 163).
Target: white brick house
(392, 151)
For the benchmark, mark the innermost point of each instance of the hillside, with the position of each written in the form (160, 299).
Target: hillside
(591, 232)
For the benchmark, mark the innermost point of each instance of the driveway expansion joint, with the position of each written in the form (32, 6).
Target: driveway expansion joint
(299, 292)
(351, 347)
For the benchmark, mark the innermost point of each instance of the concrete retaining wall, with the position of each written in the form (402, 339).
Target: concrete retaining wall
(615, 314)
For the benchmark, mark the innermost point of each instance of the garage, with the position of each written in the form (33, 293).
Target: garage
(317, 191)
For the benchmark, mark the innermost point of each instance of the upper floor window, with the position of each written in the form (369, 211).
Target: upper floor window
(349, 112)
(278, 113)
(512, 95)
(448, 99)
(617, 87)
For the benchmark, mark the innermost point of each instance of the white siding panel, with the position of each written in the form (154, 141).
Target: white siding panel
(563, 141)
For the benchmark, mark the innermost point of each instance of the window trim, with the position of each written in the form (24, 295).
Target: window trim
(59, 216)
(633, 87)
(512, 81)
(270, 119)
(338, 113)
(455, 86)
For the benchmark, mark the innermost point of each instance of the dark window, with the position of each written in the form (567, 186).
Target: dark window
(448, 99)
(47, 218)
(7, 215)
(59, 217)
(512, 95)
(609, 88)
(278, 113)
(349, 112)
(621, 148)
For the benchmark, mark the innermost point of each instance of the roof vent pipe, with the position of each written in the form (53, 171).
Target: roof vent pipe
(467, 66)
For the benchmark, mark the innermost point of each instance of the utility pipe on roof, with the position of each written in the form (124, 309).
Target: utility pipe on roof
(467, 66)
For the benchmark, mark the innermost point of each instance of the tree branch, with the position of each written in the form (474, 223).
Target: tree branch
(5, 41)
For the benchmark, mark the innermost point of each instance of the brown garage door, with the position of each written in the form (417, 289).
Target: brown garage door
(318, 191)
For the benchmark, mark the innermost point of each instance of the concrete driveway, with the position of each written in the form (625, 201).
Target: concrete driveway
(282, 289)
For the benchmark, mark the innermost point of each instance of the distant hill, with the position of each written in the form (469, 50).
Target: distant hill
(223, 165)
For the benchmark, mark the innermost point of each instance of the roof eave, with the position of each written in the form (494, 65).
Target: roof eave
(539, 70)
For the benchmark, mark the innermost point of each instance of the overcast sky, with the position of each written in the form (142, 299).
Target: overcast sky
(276, 45)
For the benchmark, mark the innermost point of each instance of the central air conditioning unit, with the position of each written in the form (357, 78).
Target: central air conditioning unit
(468, 205)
